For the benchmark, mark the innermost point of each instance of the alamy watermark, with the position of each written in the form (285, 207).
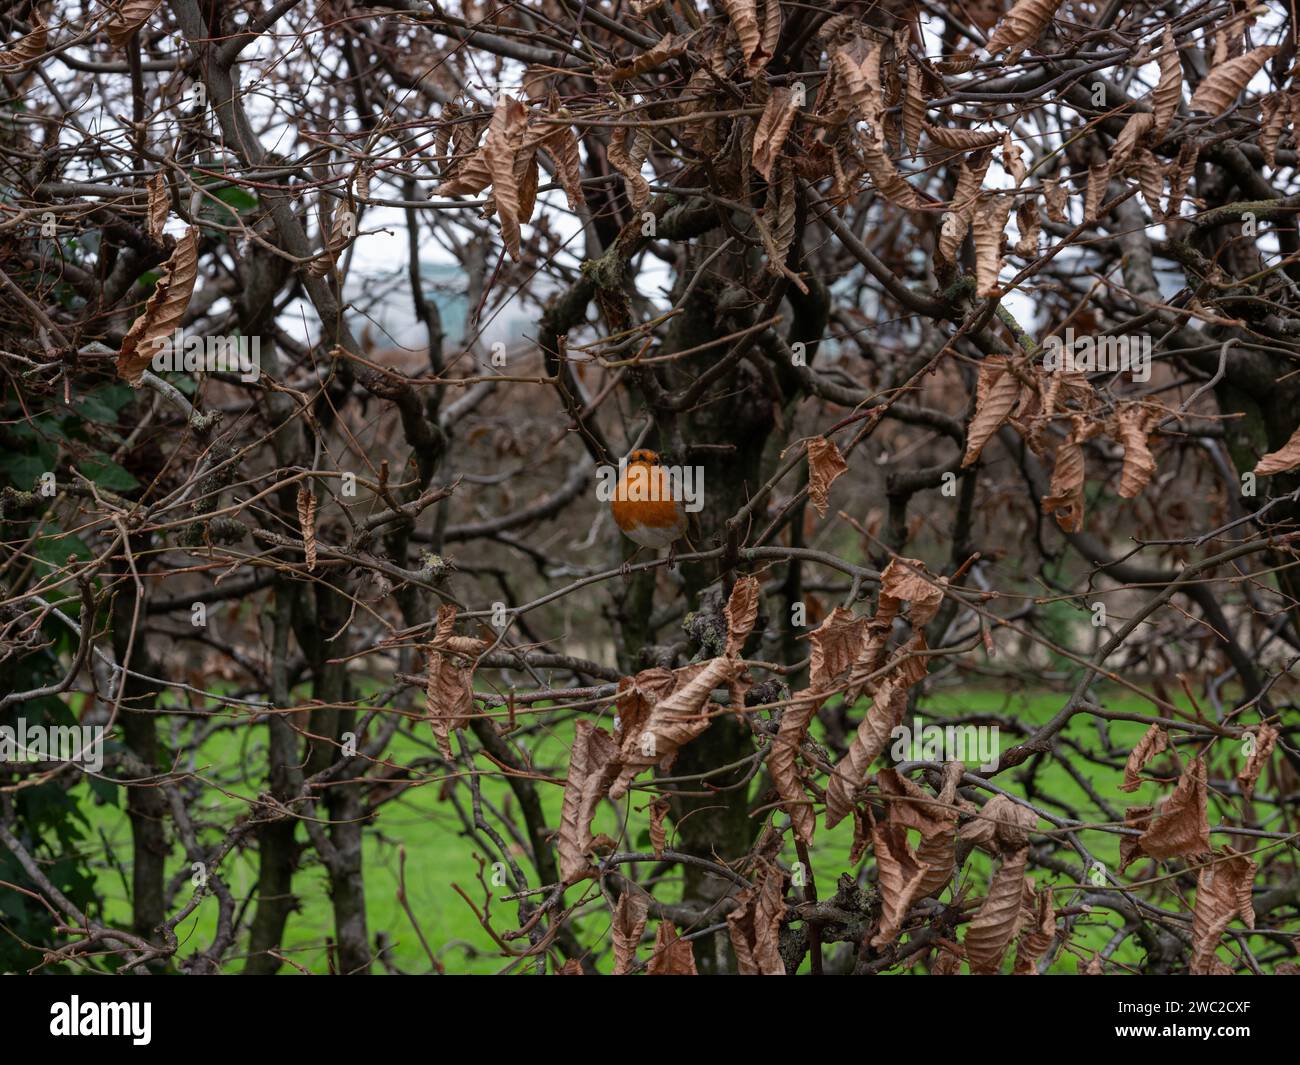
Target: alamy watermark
(83, 744)
(210, 354)
(1087, 354)
(77, 1018)
(946, 743)
(641, 482)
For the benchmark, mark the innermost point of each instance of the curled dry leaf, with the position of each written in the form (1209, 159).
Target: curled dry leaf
(795, 719)
(776, 226)
(26, 49)
(593, 761)
(1003, 825)
(857, 77)
(888, 181)
(957, 219)
(906, 580)
(914, 108)
(1273, 115)
(636, 696)
(627, 161)
(1283, 460)
(1135, 129)
(501, 152)
(163, 311)
(1056, 198)
(307, 523)
(1130, 846)
(755, 924)
(837, 643)
(672, 956)
(497, 163)
(562, 147)
(888, 705)
(987, 228)
(1223, 892)
(1064, 499)
(1095, 196)
(773, 128)
(899, 877)
(1225, 82)
(1012, 161)
(1168, 93)
(627, 926)
(666, 49)
(1036, 940)
(160, 205)
(1265, 739)
(129, 17)
(1181, 827)
(1179, 176)
(741, 611)
(825, 465)
(658, 834)
(672, 722)
(449, 682)
(1029, 225)
(1132, 425)
(998, 920)
(962, 140)
(996, 394)
(1151, 744)
(744, 20)
(1022, 25)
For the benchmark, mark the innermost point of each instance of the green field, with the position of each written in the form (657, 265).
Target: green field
(439, 856)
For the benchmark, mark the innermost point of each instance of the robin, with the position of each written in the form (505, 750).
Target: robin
(645, 506)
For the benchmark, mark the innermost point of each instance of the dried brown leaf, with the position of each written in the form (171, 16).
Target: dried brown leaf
(1022, 25)
(755, 925)
(1225, 82)
(742, 611)
(773, 128)
(160, 205)
(307, 523)
(163, 311)
(672, 956)
(28, 48)
(1223, 892)
(996, 394)
(1152, 743)
(1037, 940)
(627, 926)
(998, 920)
(987, 228)
(673, 722)
(899, 876)
(129, 17)
(825, 465)
(593, 762)
(1265, 738)
(1283, 460)
(1181, 827)
(1168, 93)
(888, 705)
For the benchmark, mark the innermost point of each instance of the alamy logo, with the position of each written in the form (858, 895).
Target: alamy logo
(643, 483)
(946, 743)
(1087, 354)
(83, 744)
(103, 1018)
(211, 354)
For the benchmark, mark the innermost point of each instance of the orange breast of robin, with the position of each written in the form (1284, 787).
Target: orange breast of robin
(644, 498)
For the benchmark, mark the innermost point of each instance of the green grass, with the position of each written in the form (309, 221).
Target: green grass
(439, 856)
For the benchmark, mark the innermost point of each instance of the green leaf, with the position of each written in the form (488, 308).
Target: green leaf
(108, 474)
